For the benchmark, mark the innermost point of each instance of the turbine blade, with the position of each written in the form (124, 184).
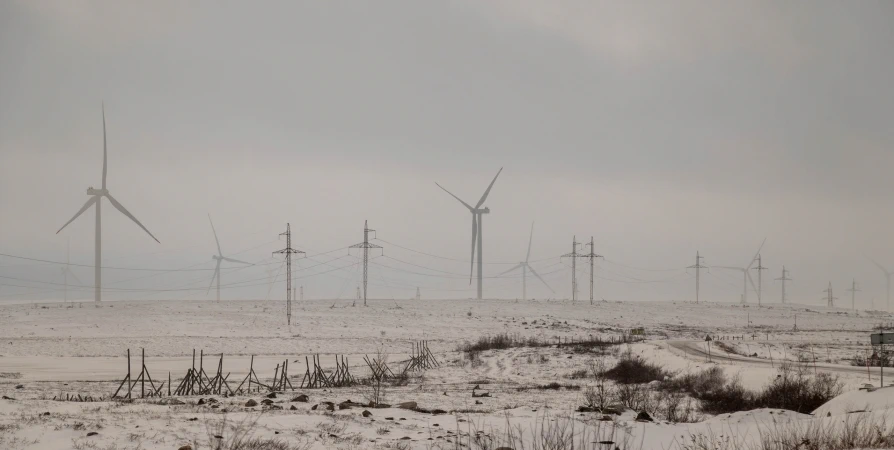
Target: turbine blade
(124, 211)
(219, 252)
(104, 152)
(510, 270)
(880, 267)
(531, 238)
(216, 274)
(81, 211)
(741, 269)
(73, 275)
(757, 253)
(235, 261)
(751, 280)
(541, 279)
(484, 197)
(451, 194)
(474, 237)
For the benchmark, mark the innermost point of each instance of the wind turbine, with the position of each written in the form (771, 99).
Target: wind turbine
(96, 196)
(219, 257)
(524, 266)
(887, 282)
(66, 270)
(746, 274)
(477, 213)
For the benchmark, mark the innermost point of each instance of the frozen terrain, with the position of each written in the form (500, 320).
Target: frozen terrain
(55, 350)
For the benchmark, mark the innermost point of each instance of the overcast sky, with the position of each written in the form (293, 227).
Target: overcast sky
(659, 128)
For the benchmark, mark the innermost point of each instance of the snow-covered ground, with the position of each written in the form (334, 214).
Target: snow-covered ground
(55, 349)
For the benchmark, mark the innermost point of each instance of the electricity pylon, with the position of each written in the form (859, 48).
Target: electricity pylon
(853, 290)
(760, 268)
(288, 251)
(573, 255)
(830, 299)
(698, 266)
(783, 279)
(418, 295)
(592, 256)
(365, 245)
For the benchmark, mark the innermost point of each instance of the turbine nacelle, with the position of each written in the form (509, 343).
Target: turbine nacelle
(484, 210)
(98, 192)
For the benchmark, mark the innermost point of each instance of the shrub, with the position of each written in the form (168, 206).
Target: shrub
(633, 369)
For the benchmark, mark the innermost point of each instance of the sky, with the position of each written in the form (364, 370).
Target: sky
(661, 129)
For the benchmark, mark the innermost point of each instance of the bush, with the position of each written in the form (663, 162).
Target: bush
(632, 369)
(498, 342)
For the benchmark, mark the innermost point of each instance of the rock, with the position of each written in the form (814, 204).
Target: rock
(185, 447)
(7, 398)
(329, 406)
(92, 433)
(212, 400)
(250, 403)
(201, 401)
(293, 408)
(301, 398)
(267, 401)
(215, 406)
(585, 409)
(192, 419)
(478, 402)
(606, 419)
(21, 386)
(438, 411)
(46, 413)
(643, 417)
(217, 436)
(407, 405)
(389, 418)
(271, 395)
(366, 413)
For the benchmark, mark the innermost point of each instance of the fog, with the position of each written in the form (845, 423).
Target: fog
(658, 128)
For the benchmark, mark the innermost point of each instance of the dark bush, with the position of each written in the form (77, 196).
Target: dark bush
(633, 369)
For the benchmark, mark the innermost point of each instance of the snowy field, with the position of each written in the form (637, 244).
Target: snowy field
(55, 349)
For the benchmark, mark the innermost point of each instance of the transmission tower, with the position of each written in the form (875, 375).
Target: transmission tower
(365, 245)
(698, 268)
(760, 268)
(358, 296)
(573, 255)
(830, 298)
(418, 295)
(288, 251)
(592, 256)
(853, 290)
(301, 293)
(783, 279)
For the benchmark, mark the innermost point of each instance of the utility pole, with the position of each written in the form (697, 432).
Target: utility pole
(358, 296)
(288, 251)
(853, 290)
(573, 255)
(301, 290)
(365, 245)
(760, 268)
(830, 299)
(698, 267)
(592, 256)
(418, 295)
(783, 279)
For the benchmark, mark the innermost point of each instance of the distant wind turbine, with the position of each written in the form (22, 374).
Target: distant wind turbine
(96, 196)
(66, 270)
(887, 282)
(524, 266)
(746, 271)
(219, 257)
(477, 212)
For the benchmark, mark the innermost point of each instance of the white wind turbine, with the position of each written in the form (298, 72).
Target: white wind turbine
(219, 257)
(746, 273)
(66, 270)
(96, 196)
(887, 283)
(525, 267)
(477, 212)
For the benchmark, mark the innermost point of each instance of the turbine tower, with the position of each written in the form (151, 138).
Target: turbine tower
(887, 283)
(219, 257)
(477, 215)
(96, 196)
(746, 275)
(525, 267)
